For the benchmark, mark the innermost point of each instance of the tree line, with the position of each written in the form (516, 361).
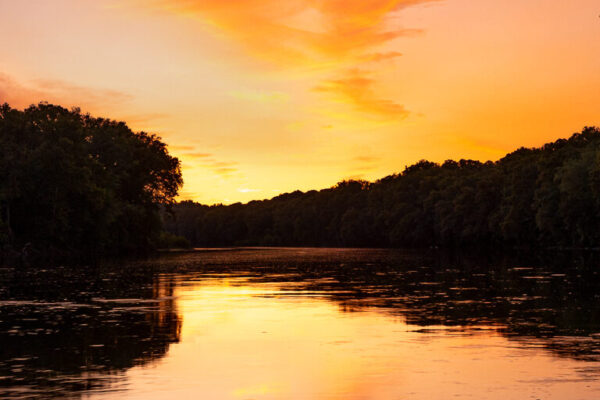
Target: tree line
(545, 196)
(72, 185)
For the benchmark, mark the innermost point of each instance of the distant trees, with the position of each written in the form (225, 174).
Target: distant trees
(72, 184)
(547, 196)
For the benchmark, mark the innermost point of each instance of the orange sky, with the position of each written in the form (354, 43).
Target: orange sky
(260, 97)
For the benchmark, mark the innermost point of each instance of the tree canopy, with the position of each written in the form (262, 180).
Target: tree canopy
(546, 196)
(73, 184)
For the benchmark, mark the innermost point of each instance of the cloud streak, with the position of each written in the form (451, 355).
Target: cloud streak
(225, 169)
(308, 28)
(363, 165)
(358, 90)
(22, 94)
(327, 36)
(378, 57)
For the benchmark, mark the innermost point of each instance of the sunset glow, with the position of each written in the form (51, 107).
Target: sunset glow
(261, 97)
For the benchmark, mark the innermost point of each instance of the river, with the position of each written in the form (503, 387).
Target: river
(266, 323)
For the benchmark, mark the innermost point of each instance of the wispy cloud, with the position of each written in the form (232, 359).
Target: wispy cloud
(22, 94)
(363, 165)
(188, 153)
(377, 57)
(309, 29)
(366, 159)
(182, 148)
(197, 155)
(357, 89)
(328, 36)
(224, 168)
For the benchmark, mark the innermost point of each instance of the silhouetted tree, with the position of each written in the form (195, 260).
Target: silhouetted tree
(75, 185)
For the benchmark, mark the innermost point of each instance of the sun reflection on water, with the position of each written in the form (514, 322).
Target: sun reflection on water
(249, 340)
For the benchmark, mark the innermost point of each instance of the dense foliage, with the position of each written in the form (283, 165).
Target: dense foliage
(547, 196)
(71, 184)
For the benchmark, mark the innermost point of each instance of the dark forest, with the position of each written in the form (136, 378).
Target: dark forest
(547, 197)
(72, 185)
(75, 186)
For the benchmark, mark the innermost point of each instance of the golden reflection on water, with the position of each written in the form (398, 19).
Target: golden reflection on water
(246, 340)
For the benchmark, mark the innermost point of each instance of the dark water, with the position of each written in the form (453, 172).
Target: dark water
(305, 324)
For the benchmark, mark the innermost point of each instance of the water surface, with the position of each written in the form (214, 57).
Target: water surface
(305, 324)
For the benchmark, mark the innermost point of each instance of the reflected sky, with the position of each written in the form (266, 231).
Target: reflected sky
(243, 340)
(304, 324)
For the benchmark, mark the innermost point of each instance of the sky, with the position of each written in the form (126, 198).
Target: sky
(262, 97)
